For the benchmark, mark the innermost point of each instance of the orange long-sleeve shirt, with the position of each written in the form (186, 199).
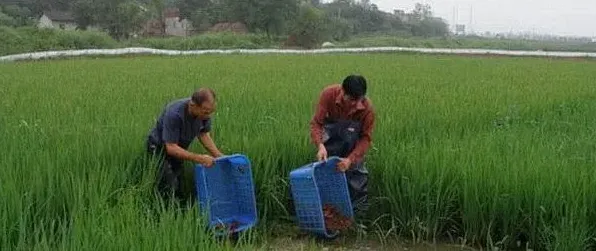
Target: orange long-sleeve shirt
(333, 105)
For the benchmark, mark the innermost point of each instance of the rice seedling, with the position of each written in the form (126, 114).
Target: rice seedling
(488, 151)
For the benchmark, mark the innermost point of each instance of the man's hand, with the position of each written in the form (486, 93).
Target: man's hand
(205, 160)
(344, 164)
(322, 154)
(176, 151)
(207, 142)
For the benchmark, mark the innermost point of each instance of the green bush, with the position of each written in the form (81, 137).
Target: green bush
(466, 42)
(309, 27)
(209, 41)
(7, 20)
(309, 31)
(31, 39)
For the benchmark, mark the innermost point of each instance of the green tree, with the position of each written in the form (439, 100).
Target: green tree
(423, 23)
(120, 18)
(270, 16)
(6, 20)
(203, 19)
(34, 6)
(22, 16)
(188, 8)
(338, 28)
(54, 4)
(309, 26)
(84, 13)
(158, 13)
(362, 16)
(421, 12)
(432, 27)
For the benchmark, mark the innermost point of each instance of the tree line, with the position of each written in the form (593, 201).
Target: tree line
(306, 21)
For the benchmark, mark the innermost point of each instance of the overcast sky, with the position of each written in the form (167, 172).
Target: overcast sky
(560, 17)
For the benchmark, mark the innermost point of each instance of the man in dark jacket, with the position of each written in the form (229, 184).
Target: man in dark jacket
(342, 126)
(178, 125)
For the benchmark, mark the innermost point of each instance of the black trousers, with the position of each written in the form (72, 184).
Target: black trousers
(357, 179)
(340, 138)
(169, 173)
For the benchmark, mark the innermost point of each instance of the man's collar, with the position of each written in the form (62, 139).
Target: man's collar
(340, 98)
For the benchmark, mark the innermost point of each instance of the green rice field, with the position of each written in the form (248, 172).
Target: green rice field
(477, 151)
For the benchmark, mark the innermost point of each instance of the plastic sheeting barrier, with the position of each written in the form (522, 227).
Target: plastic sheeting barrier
(150, 51)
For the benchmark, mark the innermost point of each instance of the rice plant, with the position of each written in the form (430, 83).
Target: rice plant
(486, 151)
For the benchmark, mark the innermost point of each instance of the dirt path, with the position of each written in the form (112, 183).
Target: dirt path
(294, 244)
(292, 239)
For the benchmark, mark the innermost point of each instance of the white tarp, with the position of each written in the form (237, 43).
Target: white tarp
(124, 51)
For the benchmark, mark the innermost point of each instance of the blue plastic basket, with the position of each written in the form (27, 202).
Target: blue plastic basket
(226, 193)
(315, 185)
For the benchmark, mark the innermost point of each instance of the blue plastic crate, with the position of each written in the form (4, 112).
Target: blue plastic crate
(315, 185)
(226, 192)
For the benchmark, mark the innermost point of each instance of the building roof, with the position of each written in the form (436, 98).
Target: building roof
(58, 15)
(171, 12)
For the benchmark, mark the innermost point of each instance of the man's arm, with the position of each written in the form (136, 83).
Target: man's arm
(174, 150)
(208, 143)
(364, 142)
(171, 134)
(317, 122)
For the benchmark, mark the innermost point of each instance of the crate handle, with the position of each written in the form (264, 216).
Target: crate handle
(322, 162)
(242, 168)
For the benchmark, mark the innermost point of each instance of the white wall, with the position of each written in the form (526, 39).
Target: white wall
(45, 22)
(128, 51)
(175, 27)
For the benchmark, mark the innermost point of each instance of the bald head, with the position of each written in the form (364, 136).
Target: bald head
(202, 95)
(202, 103)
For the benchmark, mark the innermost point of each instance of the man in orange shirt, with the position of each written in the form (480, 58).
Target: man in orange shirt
(342, 126)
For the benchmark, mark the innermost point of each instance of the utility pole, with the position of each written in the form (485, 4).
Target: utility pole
(471, 18)
(454, 21)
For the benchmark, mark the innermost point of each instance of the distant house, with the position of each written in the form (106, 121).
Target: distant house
(174, 26)
(460, 29)
(57, 19)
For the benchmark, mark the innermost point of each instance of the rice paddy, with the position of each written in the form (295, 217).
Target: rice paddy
(490, 152)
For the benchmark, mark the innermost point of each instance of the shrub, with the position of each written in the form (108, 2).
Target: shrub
(208, 41)
(31, 39)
